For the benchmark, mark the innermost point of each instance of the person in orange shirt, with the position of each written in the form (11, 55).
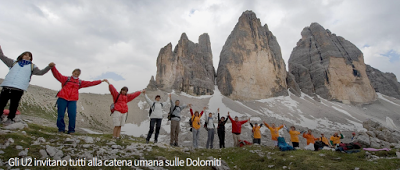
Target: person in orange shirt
(310, 138)
(294, 136)
(256, 133)
(274, 132)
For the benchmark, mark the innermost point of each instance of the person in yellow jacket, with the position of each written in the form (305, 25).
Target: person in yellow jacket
(256, 133)
(294, 136)
(196, 125)
(335, 139)
(324, 140)
(274, 132)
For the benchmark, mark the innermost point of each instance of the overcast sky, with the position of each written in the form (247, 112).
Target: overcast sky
(121, 39)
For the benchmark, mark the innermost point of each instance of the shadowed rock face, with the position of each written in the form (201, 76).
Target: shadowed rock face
(188, 68)
(330, 66)
(251, 65)
(385, 83)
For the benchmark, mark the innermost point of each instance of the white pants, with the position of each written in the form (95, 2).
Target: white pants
(119, 118)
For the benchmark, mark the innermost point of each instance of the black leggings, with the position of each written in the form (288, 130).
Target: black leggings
(295, 144)
(221, 136)
(14, 96)
(151, 130)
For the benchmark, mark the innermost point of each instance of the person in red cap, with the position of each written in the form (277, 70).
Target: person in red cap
(353, 137)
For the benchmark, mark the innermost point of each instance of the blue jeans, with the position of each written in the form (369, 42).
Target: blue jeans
(62, 105)
(210, 139)
(157, 122)
(196, 133)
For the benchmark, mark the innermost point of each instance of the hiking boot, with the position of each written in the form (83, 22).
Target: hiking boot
(176, 144)
(61, 132)
(147, 141)
(155, 141)
(8, 122)
(71, 133)
(172, 144)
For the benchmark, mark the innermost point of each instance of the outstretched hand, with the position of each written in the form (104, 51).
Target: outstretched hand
(190, 105)
(228, 113)
(52, 64)
(218, 110)
(144, 91)
(105, 80)
(204, 108)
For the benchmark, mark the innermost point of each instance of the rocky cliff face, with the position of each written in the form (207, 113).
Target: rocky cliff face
(188, 68)
(330, 66)
(385, 83)
(251, 65)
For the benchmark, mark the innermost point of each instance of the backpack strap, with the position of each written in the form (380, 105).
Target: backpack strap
(153, 106)
(117, 98)
(80, 83)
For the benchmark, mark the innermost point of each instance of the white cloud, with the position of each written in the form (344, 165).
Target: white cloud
(125, 37)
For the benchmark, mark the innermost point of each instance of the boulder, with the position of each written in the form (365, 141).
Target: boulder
(15, 126)
(363, 140)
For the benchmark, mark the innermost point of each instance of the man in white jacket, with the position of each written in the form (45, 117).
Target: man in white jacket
(155, 116)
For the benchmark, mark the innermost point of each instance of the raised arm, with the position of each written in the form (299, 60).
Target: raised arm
(201, 114)
(280, 127)
(148, 100)
(58, 75)
(266, 124)
(230, 118)
(243, 122)
(132, 96)
(172, 103)
(191, 112)
(251, 124)
(287, 129)
(9, 62)
(219, 119)
(90, 83)
(113, 91)
(37, 71)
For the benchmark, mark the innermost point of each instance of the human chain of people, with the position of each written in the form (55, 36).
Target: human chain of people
(21, 70)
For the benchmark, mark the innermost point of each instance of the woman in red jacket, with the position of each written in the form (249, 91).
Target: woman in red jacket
(121, 100)
(68, 96)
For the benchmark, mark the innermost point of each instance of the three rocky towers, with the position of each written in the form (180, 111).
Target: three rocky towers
(251, 66)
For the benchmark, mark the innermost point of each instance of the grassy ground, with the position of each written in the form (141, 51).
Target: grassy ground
(237, 158)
